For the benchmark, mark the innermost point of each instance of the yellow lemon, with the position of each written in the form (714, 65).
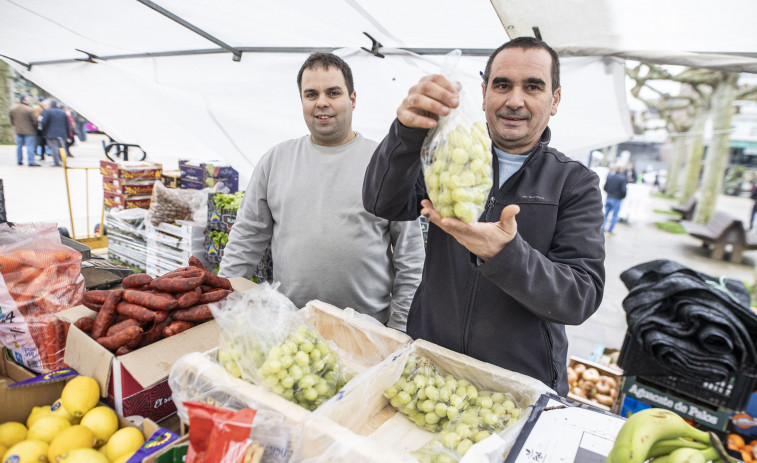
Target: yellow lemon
(11, 433)
(45, 429)
(37, 413)
(102, 421)
(124, 458)
(80, 395)
(83, 456)
(59, 410)
(123, 441)
(28, 451)
(75, 437)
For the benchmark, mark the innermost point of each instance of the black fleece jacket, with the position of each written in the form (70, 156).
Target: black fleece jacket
(510, 310)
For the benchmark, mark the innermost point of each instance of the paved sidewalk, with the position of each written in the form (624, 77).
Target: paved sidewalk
(39, 194)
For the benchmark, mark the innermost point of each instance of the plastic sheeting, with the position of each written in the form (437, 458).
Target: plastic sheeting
(209, 106)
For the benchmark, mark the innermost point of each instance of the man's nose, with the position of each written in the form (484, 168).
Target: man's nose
(322, 101)
(515, 98)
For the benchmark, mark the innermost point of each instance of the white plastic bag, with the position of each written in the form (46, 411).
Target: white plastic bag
(456, 156)
(265, 340)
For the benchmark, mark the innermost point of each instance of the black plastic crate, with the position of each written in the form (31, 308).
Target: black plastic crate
(732, 394)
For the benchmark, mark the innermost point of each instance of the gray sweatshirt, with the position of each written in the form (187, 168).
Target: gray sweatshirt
(307, 201)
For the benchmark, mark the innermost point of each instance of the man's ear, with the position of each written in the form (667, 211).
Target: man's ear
(556, 100)
(353, 98)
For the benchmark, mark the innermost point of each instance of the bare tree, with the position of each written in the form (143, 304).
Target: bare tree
(7, 135)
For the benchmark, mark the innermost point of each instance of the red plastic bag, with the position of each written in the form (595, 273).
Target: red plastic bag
(39, 277)
(218, 435)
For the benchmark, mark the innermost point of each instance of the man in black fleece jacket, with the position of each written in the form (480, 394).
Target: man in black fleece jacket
(500, 290)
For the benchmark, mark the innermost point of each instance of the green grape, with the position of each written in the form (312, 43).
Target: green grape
(440, 409)
(404, 397)
(486, 402)
(431, 418)
(515, 413)
(450, 440)
(509, 405)
(481, 435)
(463, 430)
(452, 412)
(427, 406)
(460, 156)
(470, 418)
(464, 446)
(432, 392)
(421, 393)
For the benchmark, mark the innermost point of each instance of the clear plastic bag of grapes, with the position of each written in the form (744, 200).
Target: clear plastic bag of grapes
(428, 396)
(265, 340)
(456, 156)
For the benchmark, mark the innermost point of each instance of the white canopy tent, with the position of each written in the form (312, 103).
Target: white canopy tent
(216, 80)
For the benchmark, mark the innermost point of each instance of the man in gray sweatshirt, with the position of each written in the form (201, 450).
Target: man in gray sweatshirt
(305, 198)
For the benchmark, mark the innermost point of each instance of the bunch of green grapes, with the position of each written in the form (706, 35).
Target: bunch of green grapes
(438, 402)
(238, 356)
(459, 177)
(303, 369)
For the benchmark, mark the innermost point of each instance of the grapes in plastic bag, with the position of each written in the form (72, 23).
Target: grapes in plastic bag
(456, 158)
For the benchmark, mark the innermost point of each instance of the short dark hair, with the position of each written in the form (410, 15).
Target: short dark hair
(327, 60)
(527, 43)
(22, 97)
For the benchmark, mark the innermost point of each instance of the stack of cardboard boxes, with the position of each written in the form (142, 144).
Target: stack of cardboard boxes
(169, 246)
(128, 185)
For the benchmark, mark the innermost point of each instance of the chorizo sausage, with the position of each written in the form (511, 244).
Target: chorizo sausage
(197, 313)
(214, 280)
(176, 285)
(120, 338)
(213, 296)
(179, 272)
(106, 315)
(135, 311)
(189, 298)
(149, 300)
(121, 325)
(96, 296)
(195, 262)
(85, 324)
(161, 315)
(123, 350)
(92, 305)
(155, 333)
(176, 327)
(136, 280)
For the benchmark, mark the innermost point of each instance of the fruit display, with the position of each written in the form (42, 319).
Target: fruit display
(662, 436)
(303, 369)
(748, 451)
(73, 429)
(458, 171)
(440, 402)
(588, 383)
(148, 309)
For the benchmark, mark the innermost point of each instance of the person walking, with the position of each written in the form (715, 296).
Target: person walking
(753, 196)
(304, 199)
(55, 129)
(25, 125)
(502, 289)
(615, 186)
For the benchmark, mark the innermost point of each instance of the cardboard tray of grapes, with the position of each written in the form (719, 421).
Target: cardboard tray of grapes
(360, 343)
(364, 420)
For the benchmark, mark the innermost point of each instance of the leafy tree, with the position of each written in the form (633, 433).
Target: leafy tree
(7, 136)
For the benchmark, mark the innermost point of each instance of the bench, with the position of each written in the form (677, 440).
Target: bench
(722, 229)
(687, 209)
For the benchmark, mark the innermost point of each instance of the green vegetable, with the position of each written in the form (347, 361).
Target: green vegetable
(219, 238)
(228, 202)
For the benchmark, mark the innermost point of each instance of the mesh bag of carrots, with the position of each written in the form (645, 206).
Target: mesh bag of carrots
(39, 277)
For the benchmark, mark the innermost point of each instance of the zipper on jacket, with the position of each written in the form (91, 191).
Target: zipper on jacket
(548, 336)
(468, 314)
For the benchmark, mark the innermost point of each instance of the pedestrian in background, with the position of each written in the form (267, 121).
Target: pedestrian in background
(41, 149)
(615, 186)
(55, 129)
(25, 125)
(753, 195)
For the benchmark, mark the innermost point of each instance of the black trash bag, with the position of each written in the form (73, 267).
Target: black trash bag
(687, 324)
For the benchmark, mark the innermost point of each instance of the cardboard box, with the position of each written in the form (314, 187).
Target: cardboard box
(363, 343)
(171, 179)
(21, 390)
(128, 186)
(201, 170)
(363, 410)
(121, 201)
(232, 183)
(716, 419)
(136, 383)
(131, 169)
(604, 371)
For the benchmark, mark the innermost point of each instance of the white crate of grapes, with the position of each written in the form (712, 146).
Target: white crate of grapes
(335, 341)
(425, 392)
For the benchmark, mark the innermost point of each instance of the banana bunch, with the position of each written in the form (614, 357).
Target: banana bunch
(662, 436)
